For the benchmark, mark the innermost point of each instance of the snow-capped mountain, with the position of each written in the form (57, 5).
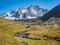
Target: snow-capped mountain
(25, 13)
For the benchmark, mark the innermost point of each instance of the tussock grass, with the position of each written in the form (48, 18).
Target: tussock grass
(8, 29)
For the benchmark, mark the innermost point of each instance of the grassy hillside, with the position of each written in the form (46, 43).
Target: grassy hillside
(8, 29)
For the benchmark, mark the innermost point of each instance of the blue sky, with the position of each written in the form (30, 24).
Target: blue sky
(7, 5)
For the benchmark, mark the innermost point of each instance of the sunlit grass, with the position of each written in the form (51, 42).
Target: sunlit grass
(8, 29)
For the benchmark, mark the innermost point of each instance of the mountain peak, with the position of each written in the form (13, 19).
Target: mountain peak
(30, 12)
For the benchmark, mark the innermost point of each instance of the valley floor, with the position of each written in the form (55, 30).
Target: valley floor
(45, 36)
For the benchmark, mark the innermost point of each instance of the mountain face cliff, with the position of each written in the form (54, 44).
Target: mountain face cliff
(25, 13)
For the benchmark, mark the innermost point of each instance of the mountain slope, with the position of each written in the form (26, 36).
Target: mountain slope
(55, 12)
(8, 30)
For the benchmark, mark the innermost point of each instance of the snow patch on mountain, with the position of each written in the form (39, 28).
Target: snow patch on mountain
(25, 13)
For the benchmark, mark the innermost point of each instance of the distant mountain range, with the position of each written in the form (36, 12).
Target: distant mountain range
(25, 13)
(33, 14)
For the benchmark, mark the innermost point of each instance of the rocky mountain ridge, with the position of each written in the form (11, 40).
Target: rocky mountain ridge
(25, 13)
